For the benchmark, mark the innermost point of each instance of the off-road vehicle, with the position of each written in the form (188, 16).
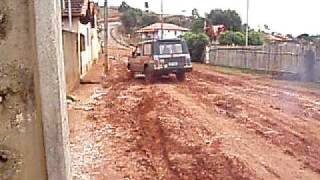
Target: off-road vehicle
(156, 58)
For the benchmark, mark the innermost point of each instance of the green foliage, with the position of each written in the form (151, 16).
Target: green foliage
(129, 21)
(179, 20)
(198, 25)
(239, 39)
(195, 13)
(232, 38)
(255, 38)
(124, 7)
(148, 19)
(133, 18)
(229, 18)
(196, 43)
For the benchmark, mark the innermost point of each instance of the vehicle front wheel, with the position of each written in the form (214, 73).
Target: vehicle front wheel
(181, 76)
(149, 75)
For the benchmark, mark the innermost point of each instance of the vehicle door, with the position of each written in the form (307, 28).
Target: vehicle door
(136, 56)
(143, 56)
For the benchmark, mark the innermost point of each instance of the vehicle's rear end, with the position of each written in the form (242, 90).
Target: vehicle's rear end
(171, 56)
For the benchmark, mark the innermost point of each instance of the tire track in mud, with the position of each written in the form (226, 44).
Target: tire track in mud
(190, 131)
(162, 138)
(269, 123)
(182, 161)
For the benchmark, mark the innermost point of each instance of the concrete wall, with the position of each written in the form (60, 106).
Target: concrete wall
(33, 120)
(288, 58)
(71, 62)
(21, 136)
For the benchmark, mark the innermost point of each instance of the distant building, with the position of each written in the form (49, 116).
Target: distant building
(81, 43)
(84, 24)
(169, 31)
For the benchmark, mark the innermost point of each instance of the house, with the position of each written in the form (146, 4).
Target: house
(169, 31)
(81, 42)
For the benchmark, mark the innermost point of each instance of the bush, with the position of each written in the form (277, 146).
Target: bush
(196, 43)
(255, 39)
(238, 38)
(232, 38)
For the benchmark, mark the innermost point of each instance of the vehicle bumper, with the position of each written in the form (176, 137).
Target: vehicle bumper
(161, 70)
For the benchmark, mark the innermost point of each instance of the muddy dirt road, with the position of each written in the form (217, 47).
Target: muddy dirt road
(212, 126)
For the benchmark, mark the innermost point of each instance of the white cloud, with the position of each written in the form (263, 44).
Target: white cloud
(285, 16)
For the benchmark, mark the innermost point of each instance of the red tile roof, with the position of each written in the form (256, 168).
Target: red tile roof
(78, 7)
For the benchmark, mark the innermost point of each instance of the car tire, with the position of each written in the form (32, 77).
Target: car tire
(149, 75)
(181, 76)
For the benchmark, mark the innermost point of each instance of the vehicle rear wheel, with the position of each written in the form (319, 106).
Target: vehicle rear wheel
(149, 75)
(131, 74)
(181, 76)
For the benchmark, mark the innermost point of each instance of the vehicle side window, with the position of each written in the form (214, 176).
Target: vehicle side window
(147, 50)
(139, 51)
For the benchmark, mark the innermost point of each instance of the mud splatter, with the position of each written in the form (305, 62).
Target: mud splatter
(4, 21)
(10, 163)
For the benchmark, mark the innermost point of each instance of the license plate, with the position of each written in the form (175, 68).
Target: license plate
(173, 64)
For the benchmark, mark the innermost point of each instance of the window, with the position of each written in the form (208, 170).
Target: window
(147, 50)
(171, 49)
(82, 43)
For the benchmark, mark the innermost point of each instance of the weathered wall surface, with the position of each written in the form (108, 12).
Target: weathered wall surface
(71, 63)
(275, 58)
(21, 144)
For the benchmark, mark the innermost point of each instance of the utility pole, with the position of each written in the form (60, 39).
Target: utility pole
(247, 28)
(162, 19)
(70, 15)
(106, 34)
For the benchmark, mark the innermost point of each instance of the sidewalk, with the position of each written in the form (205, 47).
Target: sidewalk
(84, 144)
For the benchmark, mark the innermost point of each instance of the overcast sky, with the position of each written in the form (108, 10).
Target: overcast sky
(284, 16)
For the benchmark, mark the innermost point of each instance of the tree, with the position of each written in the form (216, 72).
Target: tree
(179, 20)
(148, 19)
(198, 25)
(195, 13)
(124, 7)
(229, 18)
(129, 21)
(196, 43)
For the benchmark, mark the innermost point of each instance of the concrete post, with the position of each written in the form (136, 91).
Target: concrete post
(51, 79)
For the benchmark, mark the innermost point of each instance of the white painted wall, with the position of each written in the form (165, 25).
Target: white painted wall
(92, 44)
(167, 34)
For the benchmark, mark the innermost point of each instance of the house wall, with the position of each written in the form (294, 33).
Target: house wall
(71, 60)
(33, 121)
(92, 45)
(65, 23)
(167, 34)
(95, 46)
(21, 136)
(86, 59)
